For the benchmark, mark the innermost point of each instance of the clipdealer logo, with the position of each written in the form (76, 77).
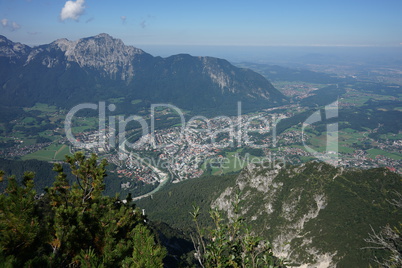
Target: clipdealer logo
(331, 156)
(236, 128)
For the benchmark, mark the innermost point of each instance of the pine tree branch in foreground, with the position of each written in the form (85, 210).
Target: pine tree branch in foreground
(231, 243)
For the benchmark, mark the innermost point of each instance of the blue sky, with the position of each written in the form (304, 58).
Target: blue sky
(217, 23)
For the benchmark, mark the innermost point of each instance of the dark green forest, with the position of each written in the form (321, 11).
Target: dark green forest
(73, 224)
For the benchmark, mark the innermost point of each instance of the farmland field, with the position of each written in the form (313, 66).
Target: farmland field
(51, 153)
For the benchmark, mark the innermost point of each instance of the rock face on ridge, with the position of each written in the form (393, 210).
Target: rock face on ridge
(316, 215)
(11, 50)
(101, 52)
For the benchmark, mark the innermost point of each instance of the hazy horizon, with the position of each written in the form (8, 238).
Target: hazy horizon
(223, 23)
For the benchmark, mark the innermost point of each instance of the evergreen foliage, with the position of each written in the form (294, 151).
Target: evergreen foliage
(45, 177)
(73, 224)
(231, 243)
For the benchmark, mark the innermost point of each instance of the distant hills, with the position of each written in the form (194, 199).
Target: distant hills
(97, 68)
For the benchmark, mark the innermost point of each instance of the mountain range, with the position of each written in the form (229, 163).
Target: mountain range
(315, 215)
(96, 68)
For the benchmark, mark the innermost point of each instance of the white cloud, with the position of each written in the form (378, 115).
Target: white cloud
(10, 25)
(123, 19)
(15, 26)
(4, 22)
(72, 10)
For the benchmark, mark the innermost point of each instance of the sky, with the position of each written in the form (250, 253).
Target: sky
(207, 23)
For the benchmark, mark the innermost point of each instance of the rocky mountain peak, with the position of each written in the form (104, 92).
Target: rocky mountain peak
(102, 52)
(11, 49)
(104, 35)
